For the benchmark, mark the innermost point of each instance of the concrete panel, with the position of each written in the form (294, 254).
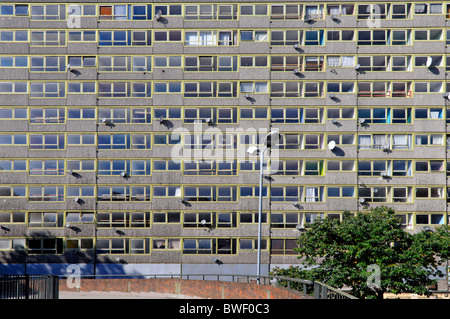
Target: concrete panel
(254, 22)
(14, 126)
(14, 22)
(14, 73)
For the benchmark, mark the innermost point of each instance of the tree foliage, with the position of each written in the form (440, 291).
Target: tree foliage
(339, 254)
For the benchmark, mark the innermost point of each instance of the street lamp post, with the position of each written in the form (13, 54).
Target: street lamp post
(268, 141)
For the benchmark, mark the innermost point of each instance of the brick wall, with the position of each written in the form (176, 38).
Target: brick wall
(198, 288)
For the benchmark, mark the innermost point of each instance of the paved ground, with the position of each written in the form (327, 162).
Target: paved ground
(119, 295)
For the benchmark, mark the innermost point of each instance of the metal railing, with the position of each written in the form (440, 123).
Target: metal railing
(29, 287)
(316, 289)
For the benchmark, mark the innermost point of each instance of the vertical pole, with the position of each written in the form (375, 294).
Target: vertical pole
(261, 171)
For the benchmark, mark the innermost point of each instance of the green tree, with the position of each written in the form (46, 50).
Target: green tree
(354, 251)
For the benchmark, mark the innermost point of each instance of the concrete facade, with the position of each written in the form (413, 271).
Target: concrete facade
(102, 240)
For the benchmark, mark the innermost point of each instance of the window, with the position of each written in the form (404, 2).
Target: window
(340, 87)
(341, 35)
(284, 220)
(14, 62)
(340, 113)
(251, 244)
(314, 63)
(47, 141)
(48, 12)
(428, 35)
(48, 38)
(428, 113)
(13, 87)
(334, 61)
(46, 167)
(170, 243)
(315, 37)
(124, 38)
(340, 166)
(47, 89)
(337, 9)
(428, 8)
(372, 37)
(283, 246)
(253, 113)
(80, 139)
(373, 63)
(124, 89)
(171, 36)
(13, 165)
(13, 191)
(79, 217)
(253, 87)
(285, 89)
(285, 63)
(11, 10)
(372, 11)
(401, 37)
(254, 35)
(167, 217)
(286, 11)
(287, 37)
(124, 63)
(45, 246)
(46, 193)
(250, 9)
(197, 246)
(84, 36)
(429, 139)
(45, 219)
(374, 115)
(198, 220)
(113, 193)
(168, 62)
(47, 115)
(79, 244)
(338, 192)
(168, 10)
(285, 193)
(373, 194)
(210, 38)
(430, 219)
(400, 11)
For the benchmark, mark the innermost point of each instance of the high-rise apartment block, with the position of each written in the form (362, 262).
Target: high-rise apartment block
(124, 128)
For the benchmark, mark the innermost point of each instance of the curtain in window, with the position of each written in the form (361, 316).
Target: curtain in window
(312, 10)
(333, 61)
(409, 172)
(379, 141)
(120, 12)
(174, 244)
(348, 61)
(261, 87)
(191, 38)
(364, 142)
(311, 194)
(225, 38)
(336, 11)
(401, 142)
(246, 87)
(435, 8)
(420, 8)
(206, 38)
(158, 243)
(437, 139)
(435, 114)
(261, 36)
